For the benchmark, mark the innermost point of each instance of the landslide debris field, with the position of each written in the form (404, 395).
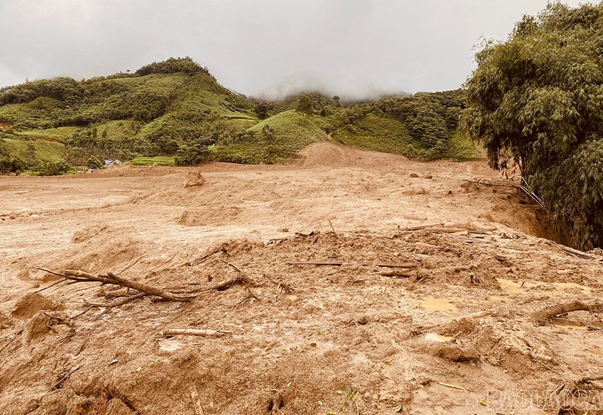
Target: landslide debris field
(463, 316)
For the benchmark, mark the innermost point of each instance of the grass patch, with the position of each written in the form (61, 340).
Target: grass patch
(292, 129)
(59, 134)
(290, 132)
(35, 152)
(379, 133)
(153, 161)
(462, 148)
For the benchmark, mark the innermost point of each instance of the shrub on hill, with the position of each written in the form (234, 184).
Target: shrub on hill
(171, 66)
(62, 89)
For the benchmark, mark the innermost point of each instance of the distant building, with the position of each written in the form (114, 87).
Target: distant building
(109, 163)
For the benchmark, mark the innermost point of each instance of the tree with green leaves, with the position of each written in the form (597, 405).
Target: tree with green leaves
(304, 105)
(536, 103)
(262, 109)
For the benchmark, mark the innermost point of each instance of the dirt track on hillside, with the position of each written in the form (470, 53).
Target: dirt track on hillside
(455, 334)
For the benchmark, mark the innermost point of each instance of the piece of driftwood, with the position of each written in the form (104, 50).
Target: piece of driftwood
(396, 274)
(364, 264)
(577, 253)
(549, 312)
(196, 401)
(195, 332)
(448, 230)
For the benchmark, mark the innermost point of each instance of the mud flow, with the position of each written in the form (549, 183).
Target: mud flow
(349, 282)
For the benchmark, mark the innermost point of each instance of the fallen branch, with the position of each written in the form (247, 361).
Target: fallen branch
(364, 264)
(64, 379)
(147, 288)
(543, 315)
(396, 274)
(524, 189)
(196, 401)
(577, 253)
(205, 257)
(513, 186)
(448, 230)
(11, 340)
(194, 332)
(242, 275)
(117, 303)
(448, 385)
(112, 279)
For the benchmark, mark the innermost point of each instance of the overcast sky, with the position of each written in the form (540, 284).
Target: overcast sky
(347, 47)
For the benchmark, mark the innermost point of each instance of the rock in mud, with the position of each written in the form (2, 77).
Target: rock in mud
(193, 179)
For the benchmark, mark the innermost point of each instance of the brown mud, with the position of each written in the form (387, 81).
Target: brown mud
(453, 334)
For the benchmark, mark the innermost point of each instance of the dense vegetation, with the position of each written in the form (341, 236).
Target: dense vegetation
(536, 103)
(177, 109)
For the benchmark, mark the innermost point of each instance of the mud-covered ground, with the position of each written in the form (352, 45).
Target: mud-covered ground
(456, 332)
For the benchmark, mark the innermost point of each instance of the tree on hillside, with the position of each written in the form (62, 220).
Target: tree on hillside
(262, 109)
(536, 102)
(336, 100)
(304, 105)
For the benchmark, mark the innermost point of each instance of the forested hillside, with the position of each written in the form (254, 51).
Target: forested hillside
(176, 108)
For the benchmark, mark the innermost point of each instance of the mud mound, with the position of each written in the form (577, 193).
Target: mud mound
(327, 328)
(89, 233)
(329, 154)
(193, 179)
(212, 216)
(32, 303)
(36, 327)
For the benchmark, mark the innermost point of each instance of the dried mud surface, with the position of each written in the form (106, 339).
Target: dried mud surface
(454, 335)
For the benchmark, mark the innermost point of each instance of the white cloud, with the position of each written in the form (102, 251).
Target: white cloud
(260, 46)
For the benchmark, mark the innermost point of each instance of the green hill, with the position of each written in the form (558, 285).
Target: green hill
(177, 109)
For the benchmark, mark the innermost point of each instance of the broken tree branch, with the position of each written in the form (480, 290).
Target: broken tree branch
(396, 274)
(364, 264)
(480, 182)
(110, 278)
(195, 332)
(577, 253)
(523, 188)
(117, 303)
(243, 277)
(543, 315)
(146, 288)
